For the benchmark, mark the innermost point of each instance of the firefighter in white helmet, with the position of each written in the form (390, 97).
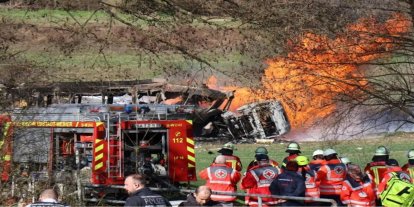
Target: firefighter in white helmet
(378, 167)
(409, 166)
(318, 160)
(293, 149)
(331, 175)
(232, 161)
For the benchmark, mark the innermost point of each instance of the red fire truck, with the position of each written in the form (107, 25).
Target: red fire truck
(104, 142)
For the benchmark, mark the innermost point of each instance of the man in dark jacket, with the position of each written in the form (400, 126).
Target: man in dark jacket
(201, 197)
(47, 198)
(139, 195)
(289, 183)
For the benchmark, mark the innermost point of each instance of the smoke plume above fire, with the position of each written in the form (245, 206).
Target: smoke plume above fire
(318, 69)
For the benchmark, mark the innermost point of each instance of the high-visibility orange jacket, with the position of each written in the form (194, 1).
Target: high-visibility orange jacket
(234, 162)
(358, 193)
(316, 164)
(312, 187)
(409, 169)
(258, 180)
(331, 175)
(377, 171)
(221, 178)
(393, 171)
(288, 158)
(271, 162)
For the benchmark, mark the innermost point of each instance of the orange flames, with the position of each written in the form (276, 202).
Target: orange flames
(318, 69)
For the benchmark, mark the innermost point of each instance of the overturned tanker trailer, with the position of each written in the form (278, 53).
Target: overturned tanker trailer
(211, 116)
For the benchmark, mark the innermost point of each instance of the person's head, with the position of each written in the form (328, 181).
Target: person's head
(302, 161)
(410, 154)
(355, 172)
(345, 160)
(392, 162)
(220, 160)
(262, 159)
(330, 154)
(293, 148)
(48, 194)
(133, 183)
(318, 155)
(202, 194)
(227, 149)
(381, 154)
(261, 150)
(292, 165)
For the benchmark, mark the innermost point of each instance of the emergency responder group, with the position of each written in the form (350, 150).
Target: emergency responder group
(326, 176)
(381, 182)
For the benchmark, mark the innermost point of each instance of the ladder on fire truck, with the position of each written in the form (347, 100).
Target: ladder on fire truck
(114, 146)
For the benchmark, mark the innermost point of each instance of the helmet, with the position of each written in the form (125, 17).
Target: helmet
(229, 146)
(345, 160)
(262, 157)
(410, 154)
(381, 151)
(261, 150)
(317, 152)
(302, 160)
(293, 146)
(328, 152)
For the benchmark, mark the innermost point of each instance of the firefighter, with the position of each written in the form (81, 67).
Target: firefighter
(378, 166)
(409, 166)
(258, 179)
(140, 195)
(262, 150)
(317, 161)
(357, 188)
(393, 170)
(231, 160)
(289, 183)
(345, 160)
(293, 149)
(312, 187)
(221, 178)
(396, 189)
(331, 175)
(48, 197)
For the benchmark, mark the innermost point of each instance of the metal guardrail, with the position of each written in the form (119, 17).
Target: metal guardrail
(259, 196)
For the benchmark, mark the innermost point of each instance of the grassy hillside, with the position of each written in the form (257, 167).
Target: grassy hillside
(77, 44)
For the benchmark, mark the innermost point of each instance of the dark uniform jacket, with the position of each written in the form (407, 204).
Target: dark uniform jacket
(145, 197)
(191, 201)
(47, 203)
(289, 184)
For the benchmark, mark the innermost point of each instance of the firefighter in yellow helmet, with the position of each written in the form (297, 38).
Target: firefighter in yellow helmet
(312, 187)
(409, 166)
(293, 149)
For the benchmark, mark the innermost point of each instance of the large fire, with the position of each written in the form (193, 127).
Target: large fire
(318, 69)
